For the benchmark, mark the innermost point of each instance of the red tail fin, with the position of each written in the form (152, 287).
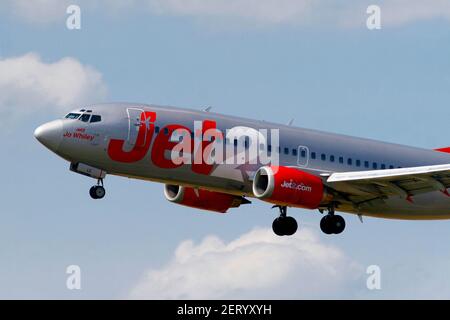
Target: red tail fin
(447, 150)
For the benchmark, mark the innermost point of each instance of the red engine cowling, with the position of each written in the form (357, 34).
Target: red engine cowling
(202, 199)
(289, 187)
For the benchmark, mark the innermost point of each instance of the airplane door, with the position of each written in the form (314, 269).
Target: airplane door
(134, 123)
(302, 156)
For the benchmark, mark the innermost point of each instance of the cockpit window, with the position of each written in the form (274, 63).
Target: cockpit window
(85, 117)
(96, 118)
(73, 116)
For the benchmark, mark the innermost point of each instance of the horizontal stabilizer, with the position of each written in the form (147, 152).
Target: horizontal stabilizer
(446, 150)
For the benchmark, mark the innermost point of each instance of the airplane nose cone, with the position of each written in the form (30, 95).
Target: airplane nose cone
(50, 134)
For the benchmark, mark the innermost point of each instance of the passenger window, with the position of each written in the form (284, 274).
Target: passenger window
(323, 157)
(96, 118)
(85, 117)
(358, 163)
(349, 161)
(375, 166)
(286, 150)
(332, 158)
(366, 164)
(166, 131)
(303, 153)
(341, 160)
(313, 155)
(391, 167)
(156, 129)
(383, 166)
(294, 152)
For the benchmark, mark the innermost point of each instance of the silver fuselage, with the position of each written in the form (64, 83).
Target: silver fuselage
(341, 153)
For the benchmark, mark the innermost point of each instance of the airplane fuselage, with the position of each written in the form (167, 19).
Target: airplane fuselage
(116, 145)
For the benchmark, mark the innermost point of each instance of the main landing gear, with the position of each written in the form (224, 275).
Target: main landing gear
(98, 191)
(331, 223)
(284, 225)
(287, 226)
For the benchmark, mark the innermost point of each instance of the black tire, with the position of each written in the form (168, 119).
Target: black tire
(291, 226)
(338, 224)
(326, 224)
(92, 192)
(100, 192)
(278, 226)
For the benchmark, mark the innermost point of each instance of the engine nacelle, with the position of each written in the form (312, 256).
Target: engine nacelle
(289, 187)
(202, 199)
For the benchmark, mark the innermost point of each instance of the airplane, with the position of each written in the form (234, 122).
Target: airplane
(193, 153)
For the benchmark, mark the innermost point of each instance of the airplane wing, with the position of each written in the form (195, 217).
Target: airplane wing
(361, 186)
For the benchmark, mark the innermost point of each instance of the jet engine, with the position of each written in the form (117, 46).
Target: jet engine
(292, 187)
(202, 199)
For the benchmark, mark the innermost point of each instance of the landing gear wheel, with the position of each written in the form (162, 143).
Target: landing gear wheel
(291, 226)
(325, 224)
(97, 192)
(278, 226)
(338, 224)
(331, 224)
(284, 226)
(92, 192)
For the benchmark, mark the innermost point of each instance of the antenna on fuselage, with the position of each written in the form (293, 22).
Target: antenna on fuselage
(290, 122)
(207, 109)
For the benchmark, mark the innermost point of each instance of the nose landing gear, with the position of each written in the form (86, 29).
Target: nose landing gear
(284, 225)
(331, 223)
(98, 191)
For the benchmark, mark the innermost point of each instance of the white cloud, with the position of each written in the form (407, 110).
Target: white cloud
(36, 11)
(256, 265)
(27, 85)
(305, 12)
(341, 13)
(400, 12)
(54, 11)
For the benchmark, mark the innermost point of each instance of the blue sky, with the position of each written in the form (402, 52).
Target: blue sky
(256, 61)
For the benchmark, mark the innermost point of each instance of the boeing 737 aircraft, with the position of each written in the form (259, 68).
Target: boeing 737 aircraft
(216, 162)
